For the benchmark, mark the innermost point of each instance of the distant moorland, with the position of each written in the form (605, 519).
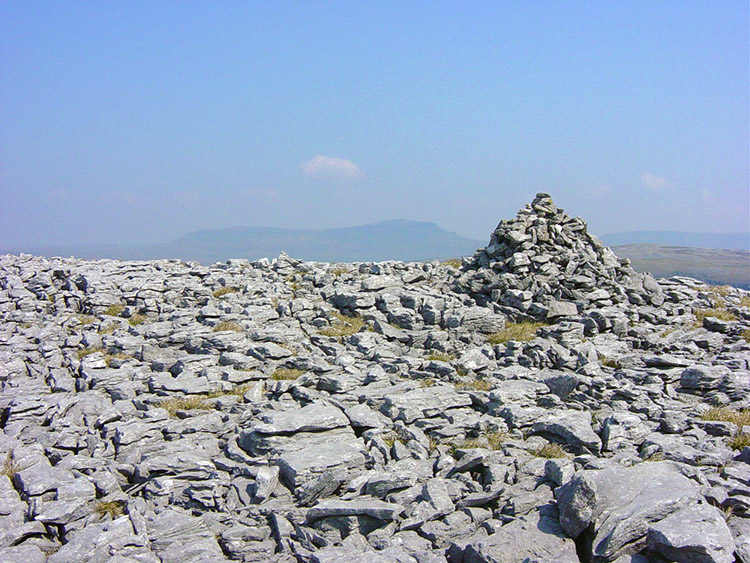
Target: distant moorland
(717, 258)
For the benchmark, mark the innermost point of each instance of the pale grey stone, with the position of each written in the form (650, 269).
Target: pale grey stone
(574, 427)
(622, 503)
(536, 537)
(355, 507)
(693, 534)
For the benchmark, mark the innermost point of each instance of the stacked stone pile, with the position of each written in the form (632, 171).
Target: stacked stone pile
(295, 411)
(546, 264)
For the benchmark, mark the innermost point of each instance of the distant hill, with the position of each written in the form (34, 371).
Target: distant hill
(714, 266)
(386, 240)
(731, 241)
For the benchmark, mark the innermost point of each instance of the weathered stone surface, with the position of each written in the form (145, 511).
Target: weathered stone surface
(535, 537)
(574, 427)
(694, 534)
(622, 504)
(299, 466)
(362, 506)
(423, 403)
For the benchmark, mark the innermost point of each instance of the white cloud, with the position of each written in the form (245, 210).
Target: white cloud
(599, 190)
(331, 167)
(654, 182)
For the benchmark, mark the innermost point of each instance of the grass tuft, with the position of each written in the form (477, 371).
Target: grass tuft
(656, 456)
(608, 362)
(238, 391)
(740, 440)
(390, 439)
(520, 332)
(82, 353)
(549, 451)
(718, 312)
(343, 325)
(114, 310)
(740, 418)
(338, 272)
(86, 319)
(428, 382)
(183, 404)
(10, 466)
(452, 263)
(118, 356)
(476, 384)
(286, 374)
(111, 508)
(225, 291)
(494, 440)
(746, 335)
(136, 319)
(440, 357)
(226, 326)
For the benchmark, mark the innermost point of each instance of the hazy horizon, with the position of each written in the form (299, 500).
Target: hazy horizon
(123, 123)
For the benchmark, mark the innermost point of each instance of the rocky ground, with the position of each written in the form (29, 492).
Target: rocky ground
(538, 402)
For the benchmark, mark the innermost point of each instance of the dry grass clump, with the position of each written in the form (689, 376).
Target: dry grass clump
(549, 451)
(496, 439)
(338, 272)
(428, 382)
(118, 356)
(286, 374)
(343, 325)
(440, 357)
(656, 456)
(227, 326)
(10, 466)
(740, 418)
(492, 439)
(746, 335)
(719, 307)
(86, 319)
(452, 263)
(225, 291)
(745, 301)
(740, 440)
(114, 310)
(521, 332)
(608, 362)
(83, 352)
(111, 508)
(238, 391)
(476, 384)
(184, 404)
(718, 312)
(136, 319)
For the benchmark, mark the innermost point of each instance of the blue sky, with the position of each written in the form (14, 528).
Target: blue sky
(131, 122)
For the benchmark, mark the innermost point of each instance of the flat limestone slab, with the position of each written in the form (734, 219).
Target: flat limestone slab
(356, 507)
(300, 466)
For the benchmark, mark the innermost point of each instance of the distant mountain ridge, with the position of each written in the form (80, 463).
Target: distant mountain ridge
(729, 241)
(397, 239)
(406, 240)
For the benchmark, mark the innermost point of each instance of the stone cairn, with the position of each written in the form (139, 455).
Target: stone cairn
(545, 264)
